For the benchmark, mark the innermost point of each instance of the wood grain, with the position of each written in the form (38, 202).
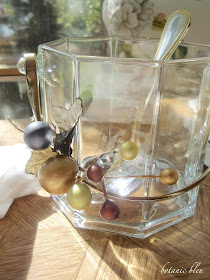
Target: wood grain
(37, 242)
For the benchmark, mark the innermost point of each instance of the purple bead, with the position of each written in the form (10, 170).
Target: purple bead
(109, 210)
(95, 173)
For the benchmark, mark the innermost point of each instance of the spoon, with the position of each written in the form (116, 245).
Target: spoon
(173, 32)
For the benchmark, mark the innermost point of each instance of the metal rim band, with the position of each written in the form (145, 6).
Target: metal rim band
(161, 197)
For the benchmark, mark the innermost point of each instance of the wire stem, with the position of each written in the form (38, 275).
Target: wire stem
(104, 189)
(133, 176)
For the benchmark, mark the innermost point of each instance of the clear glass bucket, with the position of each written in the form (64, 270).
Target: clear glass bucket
(162, 106)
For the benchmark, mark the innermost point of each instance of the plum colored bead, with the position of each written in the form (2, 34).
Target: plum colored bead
(38, 135)
(109, 210)
(79, 196)
(95, 173)
(128, 150)
(169, 176)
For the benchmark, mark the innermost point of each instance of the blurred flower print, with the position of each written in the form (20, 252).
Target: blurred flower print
(127, 17)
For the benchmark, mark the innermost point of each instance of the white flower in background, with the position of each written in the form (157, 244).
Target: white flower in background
(127, 17)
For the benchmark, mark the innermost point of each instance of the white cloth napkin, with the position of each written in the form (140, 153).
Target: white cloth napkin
(14, 182)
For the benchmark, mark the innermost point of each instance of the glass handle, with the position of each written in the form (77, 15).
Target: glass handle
(27, 66)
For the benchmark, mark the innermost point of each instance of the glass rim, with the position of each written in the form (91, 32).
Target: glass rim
(119, 38)
(50, 46)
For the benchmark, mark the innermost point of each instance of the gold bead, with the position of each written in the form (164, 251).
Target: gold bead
(169, 176)
(79, 196)
(128, 150)
(57, 174)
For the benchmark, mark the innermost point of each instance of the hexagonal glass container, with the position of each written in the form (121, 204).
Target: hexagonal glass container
(162, 106)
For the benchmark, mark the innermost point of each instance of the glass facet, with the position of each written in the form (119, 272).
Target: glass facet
(162, 106)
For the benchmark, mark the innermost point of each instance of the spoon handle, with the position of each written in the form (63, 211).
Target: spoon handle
(173, 32)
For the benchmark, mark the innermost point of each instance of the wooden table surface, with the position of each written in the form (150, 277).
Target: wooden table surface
(37, 242)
